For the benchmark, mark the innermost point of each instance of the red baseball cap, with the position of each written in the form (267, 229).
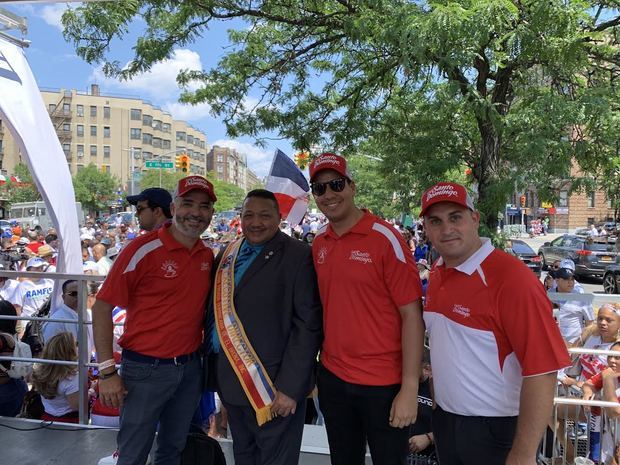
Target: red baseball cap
(329, 161)
(446, 192)
(191, 183)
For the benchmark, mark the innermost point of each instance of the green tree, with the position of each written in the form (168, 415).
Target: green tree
(24, 191)
(94, 189)
(513, 89)
(229, 196)
(169, 179)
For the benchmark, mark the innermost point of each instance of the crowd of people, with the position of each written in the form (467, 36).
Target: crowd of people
(246, 307)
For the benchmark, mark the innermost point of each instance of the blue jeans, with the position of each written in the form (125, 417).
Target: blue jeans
(167, 394)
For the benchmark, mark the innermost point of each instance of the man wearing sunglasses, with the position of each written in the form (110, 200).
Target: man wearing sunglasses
(66, 311)
(372, 319)
(152, 207)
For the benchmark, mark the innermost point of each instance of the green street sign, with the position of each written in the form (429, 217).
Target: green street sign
(167, 164)
(153, 164)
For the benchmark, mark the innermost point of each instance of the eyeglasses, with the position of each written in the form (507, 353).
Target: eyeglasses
(141, 209)
(336, 185)
(72, 293)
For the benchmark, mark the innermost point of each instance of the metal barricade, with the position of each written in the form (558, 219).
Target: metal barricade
(83, 362)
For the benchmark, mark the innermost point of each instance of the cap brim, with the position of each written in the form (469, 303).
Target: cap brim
(134, 199)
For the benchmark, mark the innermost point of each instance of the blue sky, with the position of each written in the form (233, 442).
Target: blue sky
(55, 65)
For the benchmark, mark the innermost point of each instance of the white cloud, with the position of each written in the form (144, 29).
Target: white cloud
(52, 14)
(259, 160)
(160, 81)
(187, 112)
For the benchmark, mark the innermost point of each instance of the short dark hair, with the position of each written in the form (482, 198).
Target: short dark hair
(263, 194)
(50, 237)
(164, 209)
(66, 283)
(7, 309)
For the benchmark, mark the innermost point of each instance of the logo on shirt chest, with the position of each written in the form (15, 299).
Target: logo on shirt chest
(205, 266)
(322, 255)
(359, 256)
(170, 268)
(461, 310)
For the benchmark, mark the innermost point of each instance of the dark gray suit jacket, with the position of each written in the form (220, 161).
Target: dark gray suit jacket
(278, 303)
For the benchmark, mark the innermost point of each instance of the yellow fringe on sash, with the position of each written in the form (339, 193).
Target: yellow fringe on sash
(263, 415)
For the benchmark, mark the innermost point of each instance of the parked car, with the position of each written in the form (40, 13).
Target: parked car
(524, 253)
(591, 257)
(611, 278)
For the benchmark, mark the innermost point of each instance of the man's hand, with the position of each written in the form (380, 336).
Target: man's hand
(283, 405)
(418, 443)
(112, 391)
(404, 408)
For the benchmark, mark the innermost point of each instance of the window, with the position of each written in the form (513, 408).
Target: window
(93, 131)
(93, 150)
(105, 168)
(166, 144)
(220, 169)
(66, 148)
(136, 114)
(147, 155)
(147, 138)
(220, 158)
(147, 120)
(106, 112)
(66, 127)
(80, 130)
(136, 133)
(563, 200)
(190, 139)
(591, 199)
(180, 135)
(80, 110)
(106, 131)
(52, 107)
(93, 111)
(157, 142)
(157, 125)
(80, 150)
(106, 151)
(166, 127)
(66, 108)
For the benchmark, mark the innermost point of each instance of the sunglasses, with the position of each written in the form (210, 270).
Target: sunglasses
(336, 185)
(141, 209)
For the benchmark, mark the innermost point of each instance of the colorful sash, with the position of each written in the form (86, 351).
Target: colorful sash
(235, 344)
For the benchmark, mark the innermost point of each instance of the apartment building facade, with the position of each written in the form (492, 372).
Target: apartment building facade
(230, 166)
(116, 134)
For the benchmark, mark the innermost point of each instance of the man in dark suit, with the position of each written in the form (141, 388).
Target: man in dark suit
(268, 318)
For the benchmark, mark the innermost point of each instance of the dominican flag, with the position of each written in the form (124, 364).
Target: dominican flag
(290, 187)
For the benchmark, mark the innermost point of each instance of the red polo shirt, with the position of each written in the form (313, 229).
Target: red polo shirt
(364, 276)
(163, 286)
(490, 324)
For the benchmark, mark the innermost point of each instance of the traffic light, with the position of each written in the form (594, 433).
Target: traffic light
(182, 163)
(522, 200)
(302, 159)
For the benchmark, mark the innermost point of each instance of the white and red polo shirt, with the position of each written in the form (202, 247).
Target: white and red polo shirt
(163, 286)
(490, 324)
(364, 276)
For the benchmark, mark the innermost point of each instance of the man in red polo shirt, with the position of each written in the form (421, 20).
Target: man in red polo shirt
(162, 279)
(494, 344)
(372, 319)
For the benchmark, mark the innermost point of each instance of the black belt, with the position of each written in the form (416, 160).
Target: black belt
(141, 358)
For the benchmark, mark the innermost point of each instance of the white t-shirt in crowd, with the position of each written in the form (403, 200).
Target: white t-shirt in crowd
(7, 290)
(571, 318)
(59, 405)
(30, 295)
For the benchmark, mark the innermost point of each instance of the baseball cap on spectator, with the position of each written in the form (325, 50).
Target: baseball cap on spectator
(23, 241)
(112, 252)
(329, 161)
(563, 273)
(568, 264)
(155, 196)
(45, 251)
(191, 183)
(35, 262)
(446, 192)
(106, 241)
(86, 237)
